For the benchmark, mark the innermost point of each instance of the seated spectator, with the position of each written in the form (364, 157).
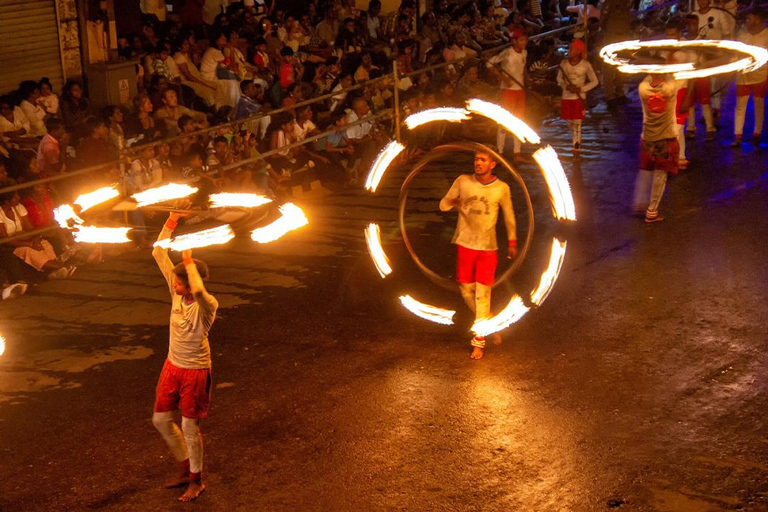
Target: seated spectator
(13, 123)
(34, 251)
(248, 105)
(94, 147)
(74, 106)
(328, 75)
(29, 92)
(327, 30)
(190, 76)
(167, 117)
(363, 72)
(113, 116)
(339, 100)
(48, 100)
(336, 148)
(260, 56)
(361, 136)
(51, 151)
(215, 68)
(145, 173)
(206, 179)
(140, 125)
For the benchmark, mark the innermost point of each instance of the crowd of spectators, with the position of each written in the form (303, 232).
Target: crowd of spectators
(195, 80)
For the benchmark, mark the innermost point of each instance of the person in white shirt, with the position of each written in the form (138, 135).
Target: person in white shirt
(154, 7)
(35, 114)
(13, 122)
(185, 381)
(361, 136)
(576, 77)
(213, 63)
(714, 23)
(753, 83)
(477, 197)
(701, 87)
(509, 67)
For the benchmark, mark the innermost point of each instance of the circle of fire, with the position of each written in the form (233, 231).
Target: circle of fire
(561, 199)
(753, 57)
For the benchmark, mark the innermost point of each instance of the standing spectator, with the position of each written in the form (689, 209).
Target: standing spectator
(48, 100)
(511, 72)
(74, 106)
(29, 93)
(753, 83)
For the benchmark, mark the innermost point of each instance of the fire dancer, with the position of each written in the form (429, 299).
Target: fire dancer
(576, 77)
(478, 197)
(185, 381)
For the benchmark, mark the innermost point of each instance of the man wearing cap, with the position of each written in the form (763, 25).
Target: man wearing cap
(509, 67)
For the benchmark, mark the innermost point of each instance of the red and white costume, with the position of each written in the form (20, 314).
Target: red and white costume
(475, 238)
(572, 107)
(754, 83)
(512, 64)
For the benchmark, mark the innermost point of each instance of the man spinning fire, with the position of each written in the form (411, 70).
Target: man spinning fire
(477, 197)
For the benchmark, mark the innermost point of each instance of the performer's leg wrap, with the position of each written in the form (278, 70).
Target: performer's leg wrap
(741, 113)
(759, 114)
(468, 294)
(577, 131)
(642, 189)
(657, 190)
(680, 129)
(706, 111)
(163, 422)
(194, 443)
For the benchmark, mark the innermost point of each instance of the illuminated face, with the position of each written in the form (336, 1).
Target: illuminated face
(170, 99)
(179, 287)
(521, 42)
(484, 164)
(6, 110)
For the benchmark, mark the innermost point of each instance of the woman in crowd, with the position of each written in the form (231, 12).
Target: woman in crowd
(207, 90)
(215, 67)
(29, 93)
(75, 107)
(48, 99)
(141, 124)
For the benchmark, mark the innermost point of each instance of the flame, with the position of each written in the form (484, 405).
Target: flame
(505, 118)
(163, 193)
(559, 189)
(238, 200)
(514, 311)
(756, 58)
(66, 217)
(292, 218)
(454, 115)
(382, 162)
(91, 199)
(97, 235)
(427, 312)
(373, 240)
(2, 345)
(214, 236)
(548, 278)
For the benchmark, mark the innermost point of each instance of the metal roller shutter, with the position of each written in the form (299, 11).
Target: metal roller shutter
(29, 43)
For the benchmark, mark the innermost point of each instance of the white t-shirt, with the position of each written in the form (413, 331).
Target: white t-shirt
(721, 24)
(479, 212)
(759, 75)
(513, 63)
(581, 75)
(210, 62)
(13, 226)
(19, 122)
(359, 131)
(659, 105)
(300, 132)
(35, 115)
(373, 26)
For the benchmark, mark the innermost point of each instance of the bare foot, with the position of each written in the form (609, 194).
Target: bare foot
(496, 338)
(477, 353)
(194, 491)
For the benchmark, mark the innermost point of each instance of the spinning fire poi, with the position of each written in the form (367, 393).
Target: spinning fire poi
(475, 234)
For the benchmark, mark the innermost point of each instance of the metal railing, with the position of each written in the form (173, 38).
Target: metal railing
(394, 76)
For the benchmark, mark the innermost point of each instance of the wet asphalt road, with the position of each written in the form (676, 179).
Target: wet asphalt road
(639, 385)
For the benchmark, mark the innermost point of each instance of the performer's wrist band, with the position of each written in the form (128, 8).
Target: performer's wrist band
(171, 224)
(513, 243)
(189, 261)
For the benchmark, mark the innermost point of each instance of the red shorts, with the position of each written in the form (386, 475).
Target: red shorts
(514, 101)
(756, 90)
(660, 155)
(185, 389)
(474, 266)
(681, 118)
(701, 90)
(572, 109)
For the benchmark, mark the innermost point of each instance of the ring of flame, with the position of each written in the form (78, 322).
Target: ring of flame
(755, 57)
(561, 199)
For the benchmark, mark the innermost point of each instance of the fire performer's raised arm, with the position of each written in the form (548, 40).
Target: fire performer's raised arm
(161, 253)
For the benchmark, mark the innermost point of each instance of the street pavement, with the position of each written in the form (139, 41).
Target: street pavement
(638, 385)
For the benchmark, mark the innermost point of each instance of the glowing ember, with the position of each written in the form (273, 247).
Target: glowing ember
(514, 311)
(214, 236)
(373, 240)
(502, 116)
(66, 217)
(163, 193)
(755, 58)
(549, 276)
(382, 162)
(427, 312)
(559, 189)
(454, 115)
(292, 218)
(97, 235)
(240, 200)
(2, 345)
(91, 199)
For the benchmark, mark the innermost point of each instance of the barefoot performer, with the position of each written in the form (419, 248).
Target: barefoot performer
(185, 381)
(478, 197)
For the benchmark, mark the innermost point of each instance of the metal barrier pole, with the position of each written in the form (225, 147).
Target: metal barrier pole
(396, 95)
